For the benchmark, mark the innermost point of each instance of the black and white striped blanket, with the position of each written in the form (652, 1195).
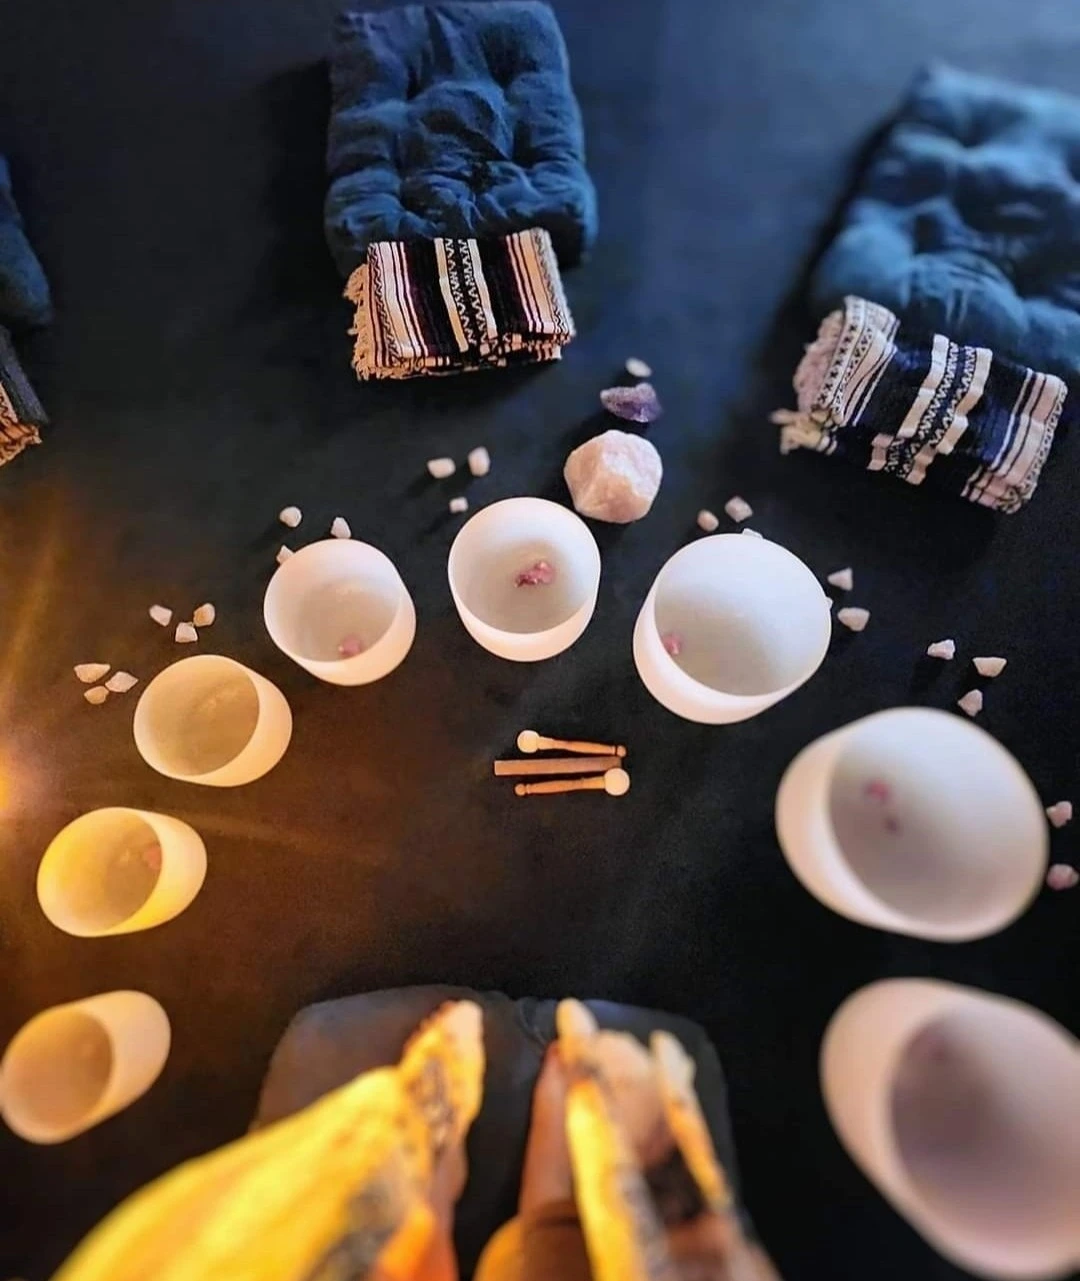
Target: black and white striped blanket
(21, 414)
(924, 409)
(444, 306)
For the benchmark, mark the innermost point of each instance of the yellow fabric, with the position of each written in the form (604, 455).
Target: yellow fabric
(333, 1191)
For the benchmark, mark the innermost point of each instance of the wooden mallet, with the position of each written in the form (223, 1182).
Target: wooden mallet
(530, 741)
(616, 782)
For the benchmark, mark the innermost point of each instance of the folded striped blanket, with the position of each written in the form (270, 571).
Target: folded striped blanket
(444, 306)
(923, 408)
(21, 413)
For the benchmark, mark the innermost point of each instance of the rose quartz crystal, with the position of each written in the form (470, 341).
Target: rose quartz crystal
(542, 574)
(614, 477)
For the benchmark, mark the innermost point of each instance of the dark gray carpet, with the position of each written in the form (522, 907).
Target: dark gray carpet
(168, 157)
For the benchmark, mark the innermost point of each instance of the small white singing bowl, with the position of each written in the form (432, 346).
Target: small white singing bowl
(211, 720)
(915, 821)
(115, 871)
(74, 1065)
(524, 622)
(964, 1110)
(746, 623)
(340, 609)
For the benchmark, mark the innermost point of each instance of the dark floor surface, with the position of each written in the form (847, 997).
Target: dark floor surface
(168, 155)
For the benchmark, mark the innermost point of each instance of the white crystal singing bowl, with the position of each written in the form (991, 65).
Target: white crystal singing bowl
(519, 522)
(72, 1066)
(774, 599)
(963, 1109)
(192, 696)
(74, 886)
(314, 573)
(979, 835)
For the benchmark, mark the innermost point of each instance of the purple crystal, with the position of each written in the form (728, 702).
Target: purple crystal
(638, 404)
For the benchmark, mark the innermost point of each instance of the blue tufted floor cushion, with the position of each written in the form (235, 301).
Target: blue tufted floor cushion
(454, 120)
(24, 302)
(24, 291)
(967, 221)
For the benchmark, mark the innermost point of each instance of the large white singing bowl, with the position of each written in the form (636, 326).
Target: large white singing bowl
(335, 595)
(74, 1065)
(115, 871)
(964, 1110)
(211, 720)
(915, 821)
(524, 623)
(751, 621)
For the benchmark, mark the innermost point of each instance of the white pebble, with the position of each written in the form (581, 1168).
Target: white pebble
(479, 461)
(1062, 877)
(753, 533)
(441, 468)
(340, 528)
(945, 649)
(291, 516)
(283, 555)
(990, 666)
(1060, 813)
(459, 505)
(161, 615)
(204, 615)
(843, 579)
(738, 509)
(185, 634)
(97, 695)
(972, 702)
(637, 368)
(854, 618)
(708, 521)
(88, 673)
(121, 682)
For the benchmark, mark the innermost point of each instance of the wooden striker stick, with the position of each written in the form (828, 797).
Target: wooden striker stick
(616, 782)
(558, 765)
(530, 741)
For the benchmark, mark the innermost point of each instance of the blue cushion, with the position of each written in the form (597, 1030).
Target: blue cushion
(454, 120)
(967, 221)
(24, 291)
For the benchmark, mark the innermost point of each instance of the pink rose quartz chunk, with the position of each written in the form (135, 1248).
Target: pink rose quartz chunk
(614, 477)
(1060, 813)
(990, 667)
(673, 643)
(89, 673)
(972, 702)
(1062, 877)
(738, 509)
(853, 617)
(542, 574)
